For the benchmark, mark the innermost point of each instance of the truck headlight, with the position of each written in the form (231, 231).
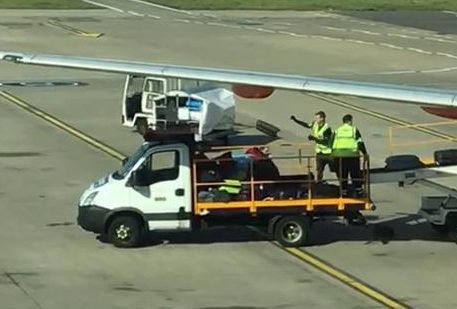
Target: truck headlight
(88, 200)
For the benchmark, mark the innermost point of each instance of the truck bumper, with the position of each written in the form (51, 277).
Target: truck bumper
(92, 218)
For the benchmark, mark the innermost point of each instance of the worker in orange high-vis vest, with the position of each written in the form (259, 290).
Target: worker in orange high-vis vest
(321, 134)
(346, 149)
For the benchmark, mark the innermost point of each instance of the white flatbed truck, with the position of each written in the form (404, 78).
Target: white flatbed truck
(161, 187)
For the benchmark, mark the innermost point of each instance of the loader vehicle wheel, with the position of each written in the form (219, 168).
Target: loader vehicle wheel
(440, 228)
(292, 231)
(142, 126)
(125, 232)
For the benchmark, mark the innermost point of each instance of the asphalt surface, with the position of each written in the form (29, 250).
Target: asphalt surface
(48, 262)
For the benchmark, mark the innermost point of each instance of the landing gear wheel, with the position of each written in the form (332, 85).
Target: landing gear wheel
(125, 232)
(292, 231)
(142, 126)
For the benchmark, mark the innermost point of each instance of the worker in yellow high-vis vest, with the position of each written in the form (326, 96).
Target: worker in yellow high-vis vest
(321, 134)
(346, 149)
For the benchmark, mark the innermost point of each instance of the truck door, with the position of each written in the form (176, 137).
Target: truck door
(166, 201)
(131, 103)
(153, 87)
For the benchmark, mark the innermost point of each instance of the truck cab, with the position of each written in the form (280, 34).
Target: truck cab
(153, 187)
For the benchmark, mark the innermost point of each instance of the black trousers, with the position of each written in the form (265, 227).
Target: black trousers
(346, 166)
(321, 161)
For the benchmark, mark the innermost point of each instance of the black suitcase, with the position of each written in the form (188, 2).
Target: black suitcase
(326, 190)
(403, 162)
(445, 157)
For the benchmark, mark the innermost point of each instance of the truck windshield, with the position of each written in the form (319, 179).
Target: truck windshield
(123, 171)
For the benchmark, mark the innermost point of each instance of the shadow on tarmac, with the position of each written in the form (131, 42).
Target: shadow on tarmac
(406, 228)
(324, 232)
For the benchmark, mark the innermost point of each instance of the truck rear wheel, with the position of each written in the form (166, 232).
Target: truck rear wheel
(292, 231)
(125, 232)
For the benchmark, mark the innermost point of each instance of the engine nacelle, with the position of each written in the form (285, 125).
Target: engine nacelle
(445, 112)
(252, 92)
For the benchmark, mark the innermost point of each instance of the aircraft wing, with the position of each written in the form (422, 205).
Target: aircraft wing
(409, 94)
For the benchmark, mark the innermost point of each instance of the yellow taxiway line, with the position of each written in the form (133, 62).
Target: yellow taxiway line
(57, 24)
(351, 281)
(62, 125)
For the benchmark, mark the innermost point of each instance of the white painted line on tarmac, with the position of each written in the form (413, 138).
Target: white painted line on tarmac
(232, 26)
(135, 13)
(446, 55)
(368, 43)
(450, 12)
(323, 15)
(285, 32)
(390, 34)
(299, 35)
(163, 7)
(282, 24)
(442, 36)
(104, 6)
(405, 30)
(217, 24)
(419, 50)
(336, 29)
(439, 70)
(323, 37)
(209, 15)
(265, 30)
(396, 72)
(403, 36)
(439, 40)
(366, 32)
(391, 46)
(249, 27)
(182, 20)
(154, 16)
(358, 41)
(358, 22)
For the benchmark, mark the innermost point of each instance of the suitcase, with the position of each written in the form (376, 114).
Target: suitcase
(403, 162)
(326, 190)
(445, 157)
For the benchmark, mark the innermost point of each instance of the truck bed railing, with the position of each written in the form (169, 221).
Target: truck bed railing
(266, 183)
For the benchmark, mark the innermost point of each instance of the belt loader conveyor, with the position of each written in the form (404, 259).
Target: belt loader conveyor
(439, 211)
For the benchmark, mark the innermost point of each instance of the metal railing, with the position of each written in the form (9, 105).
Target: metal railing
(256, 187)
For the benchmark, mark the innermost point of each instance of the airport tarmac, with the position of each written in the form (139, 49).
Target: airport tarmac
(48, 262)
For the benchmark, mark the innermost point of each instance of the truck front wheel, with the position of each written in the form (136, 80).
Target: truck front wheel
(292, 231)
(125, 232)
